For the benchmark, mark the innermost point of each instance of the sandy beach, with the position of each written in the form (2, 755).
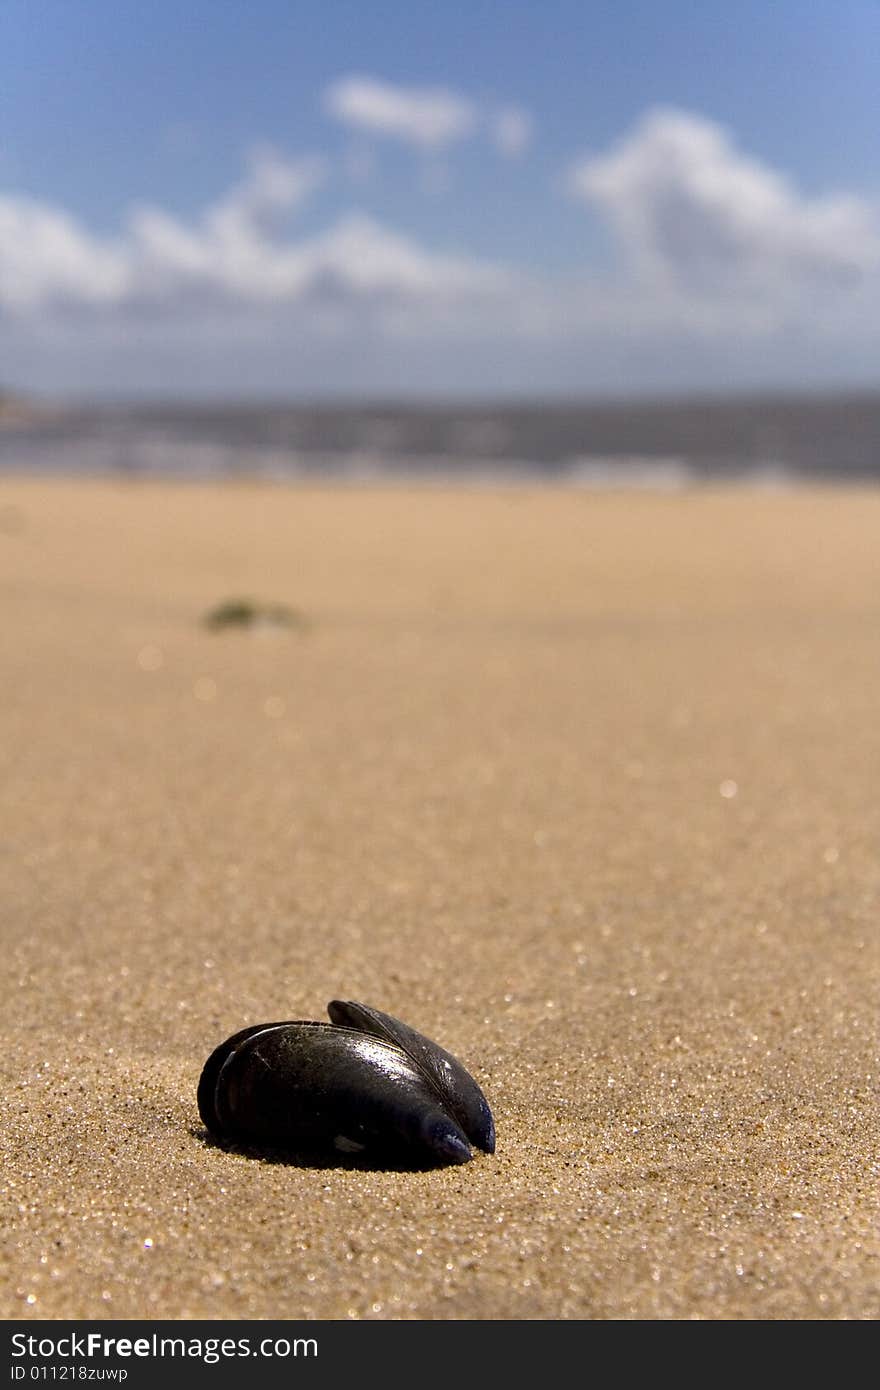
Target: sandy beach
(582, 785)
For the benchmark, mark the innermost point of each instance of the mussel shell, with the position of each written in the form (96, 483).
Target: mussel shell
(318, 1086)
(456, 1089)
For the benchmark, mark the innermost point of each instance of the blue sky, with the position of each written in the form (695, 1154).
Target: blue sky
(313, 199)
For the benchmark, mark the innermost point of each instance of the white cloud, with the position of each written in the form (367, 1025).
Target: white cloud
(234, 249)
(358, 258)
(429, 117)
(233, 255)
(274, 185)
(692, 211)
(511, 130)
(45, 255)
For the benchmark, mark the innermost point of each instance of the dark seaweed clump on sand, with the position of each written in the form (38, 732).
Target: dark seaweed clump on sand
(251, 613)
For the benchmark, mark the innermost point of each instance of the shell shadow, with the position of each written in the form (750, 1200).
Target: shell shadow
(376, 1162)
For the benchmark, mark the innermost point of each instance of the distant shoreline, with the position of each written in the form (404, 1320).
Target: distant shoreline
(768, 439)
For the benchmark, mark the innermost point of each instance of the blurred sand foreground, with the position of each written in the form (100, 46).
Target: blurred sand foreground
(583, 786)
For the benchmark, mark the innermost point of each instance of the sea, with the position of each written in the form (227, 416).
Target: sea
(765, 440)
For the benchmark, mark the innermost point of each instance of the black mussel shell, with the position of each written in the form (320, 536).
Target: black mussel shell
(364, 1083)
